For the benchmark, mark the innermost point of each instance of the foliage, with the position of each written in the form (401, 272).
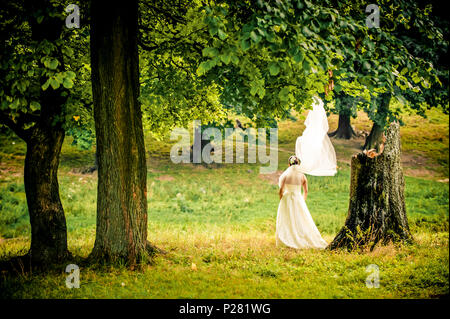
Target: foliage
(39, 55)
(172, 94)
(402, 57)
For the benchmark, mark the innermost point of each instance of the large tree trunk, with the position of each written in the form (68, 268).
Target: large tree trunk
(377, 202)
(48, 223)
(122, 173)
(344, 130)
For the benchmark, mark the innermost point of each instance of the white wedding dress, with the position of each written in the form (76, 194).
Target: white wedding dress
(295, 226)
(314, 148)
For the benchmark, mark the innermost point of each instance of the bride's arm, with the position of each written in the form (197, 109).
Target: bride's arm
(305, 187)
(281, 191)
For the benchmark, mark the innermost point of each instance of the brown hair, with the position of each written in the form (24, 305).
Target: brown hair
(293, 160)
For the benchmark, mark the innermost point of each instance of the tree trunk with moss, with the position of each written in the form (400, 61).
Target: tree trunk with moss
(48, 223)
(377, 211)
(121, 232)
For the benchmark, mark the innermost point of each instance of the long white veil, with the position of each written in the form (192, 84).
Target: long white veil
(314, 148)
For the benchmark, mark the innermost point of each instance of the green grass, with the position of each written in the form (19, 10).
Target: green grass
(217, 225)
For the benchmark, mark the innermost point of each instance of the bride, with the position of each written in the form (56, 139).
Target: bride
(315, 155)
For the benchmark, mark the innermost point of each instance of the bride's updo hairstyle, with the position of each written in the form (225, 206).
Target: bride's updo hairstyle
(293, 160)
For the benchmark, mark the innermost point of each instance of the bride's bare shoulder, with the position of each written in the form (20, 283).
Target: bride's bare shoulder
(303, 177)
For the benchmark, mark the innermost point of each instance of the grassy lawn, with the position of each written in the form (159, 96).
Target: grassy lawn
(217, 225)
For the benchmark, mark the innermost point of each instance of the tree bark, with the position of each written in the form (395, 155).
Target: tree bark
(122, 173)
(48, 223)
(377, 209)
(375, 138)
(344, 130)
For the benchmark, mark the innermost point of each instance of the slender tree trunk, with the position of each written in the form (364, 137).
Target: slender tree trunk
(48, 223)
(44, 141)
(344, 130)
(377, 209)
(122, 173)
(375, 138)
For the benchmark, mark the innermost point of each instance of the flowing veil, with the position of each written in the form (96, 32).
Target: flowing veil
(314, 148)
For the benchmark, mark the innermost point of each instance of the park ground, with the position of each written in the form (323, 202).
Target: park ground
(217, 226)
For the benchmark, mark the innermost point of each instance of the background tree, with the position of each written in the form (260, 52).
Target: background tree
(345, 106)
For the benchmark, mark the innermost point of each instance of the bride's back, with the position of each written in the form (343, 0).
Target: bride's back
(293, 177)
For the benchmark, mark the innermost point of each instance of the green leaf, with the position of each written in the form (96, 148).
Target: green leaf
(21, 86)
(60, 77)
(255, 37)
(261, 92)
(213, 30)
(54, 83)
(4, 105)
(15, 104)
(306, 31)
(53, 64)
(67, 83)
(34, 106)
(45, 85)
(270, 37)
(283, 95)
(201, 69)
(234, 59)
(67, 51)
(299, 57)
(225, 58)
(222, 34)
(70, 75)
(205, 66)
(245, 45)
(306, 66)
(39, 19)
(210, 52)
(274, 69)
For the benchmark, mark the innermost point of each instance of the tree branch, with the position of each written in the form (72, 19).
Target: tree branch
(16, 127)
